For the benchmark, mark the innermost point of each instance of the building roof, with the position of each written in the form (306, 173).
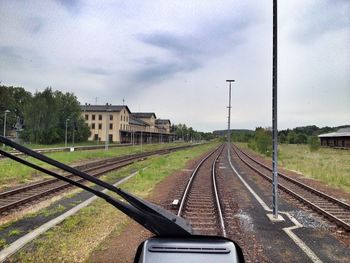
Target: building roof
(144, 115)
(135, 121)
(104, 108)
(160, 128)
(344, 132)
(163, 121)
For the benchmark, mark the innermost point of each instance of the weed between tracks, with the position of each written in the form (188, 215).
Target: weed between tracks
(75, 238)
(331, 166)
(13, 173)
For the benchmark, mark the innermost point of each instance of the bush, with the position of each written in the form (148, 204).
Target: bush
(314, 143)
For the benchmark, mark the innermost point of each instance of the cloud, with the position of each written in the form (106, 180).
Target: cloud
(95, 70)
(73, 6)
(309, 22)
(168, 56)
(34, 24)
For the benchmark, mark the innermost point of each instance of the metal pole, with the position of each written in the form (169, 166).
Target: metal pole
(141, 140)
(229, 115)
(5, 113)
(65, 137)
(106, 139)
(73, 134)
(274, 115)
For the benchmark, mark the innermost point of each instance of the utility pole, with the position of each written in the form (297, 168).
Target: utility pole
(5, 113)
(229, 116)
(274, 115)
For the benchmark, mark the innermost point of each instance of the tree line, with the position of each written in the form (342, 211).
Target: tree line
(182, 132)
(261, 139)
(42, 117)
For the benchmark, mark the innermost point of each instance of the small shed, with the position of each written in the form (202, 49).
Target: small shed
(340, 139)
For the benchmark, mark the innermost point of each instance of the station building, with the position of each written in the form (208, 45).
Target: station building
(339, 139)
(119, 124)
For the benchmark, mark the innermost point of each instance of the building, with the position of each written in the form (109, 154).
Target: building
(340, 139)
(163, 124)
(118, 124)
(106, 121)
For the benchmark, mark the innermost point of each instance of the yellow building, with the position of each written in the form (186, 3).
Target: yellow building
(118, 124)
(106, 121)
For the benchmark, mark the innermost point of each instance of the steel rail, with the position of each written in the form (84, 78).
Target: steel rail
(307, 187)
(217, 200)
(67, 149)
(314, 206)
(107, 166)
(92, 167)
(189, 183)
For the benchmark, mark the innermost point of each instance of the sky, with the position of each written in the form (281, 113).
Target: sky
(174, 57)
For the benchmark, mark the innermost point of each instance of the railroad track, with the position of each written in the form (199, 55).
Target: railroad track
(17, 197)
(67, 149)
(200, 203)
(333, 209)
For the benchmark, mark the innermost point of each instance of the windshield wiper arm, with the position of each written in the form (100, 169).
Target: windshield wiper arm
(156, 219)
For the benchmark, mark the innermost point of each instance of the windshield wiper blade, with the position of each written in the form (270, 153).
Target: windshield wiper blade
(156, 219)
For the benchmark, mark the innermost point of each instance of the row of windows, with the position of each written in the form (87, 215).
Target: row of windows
(122, 126)
(93, 117)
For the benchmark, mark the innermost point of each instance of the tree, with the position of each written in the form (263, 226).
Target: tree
(46, 114)
(291, 137)
(13, 99)
(314, 143)
(262, 141)
(300, 138)
(41, 118)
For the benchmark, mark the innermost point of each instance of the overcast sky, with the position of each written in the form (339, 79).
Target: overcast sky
(173, 57)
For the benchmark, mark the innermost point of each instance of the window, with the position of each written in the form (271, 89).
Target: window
(121, 127)
(96, 137)
(93, 126)
(86, 117)
(93, 117)
(99, 126)
(110, 137)
(124, 117)
(111, 126)
(121, 117)
(100, 117)
(127, 118)
(111, 117)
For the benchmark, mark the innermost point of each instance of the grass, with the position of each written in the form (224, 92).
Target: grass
(75, 238)
(330, 166)
(13, 173)
(2, 243)
(48, 212)
(14, 232)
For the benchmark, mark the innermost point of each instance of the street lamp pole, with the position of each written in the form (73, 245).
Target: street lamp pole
(65, 137)
(73, 134)
(229, 116)
(141, 140)
(106, 139)
(5, 113)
